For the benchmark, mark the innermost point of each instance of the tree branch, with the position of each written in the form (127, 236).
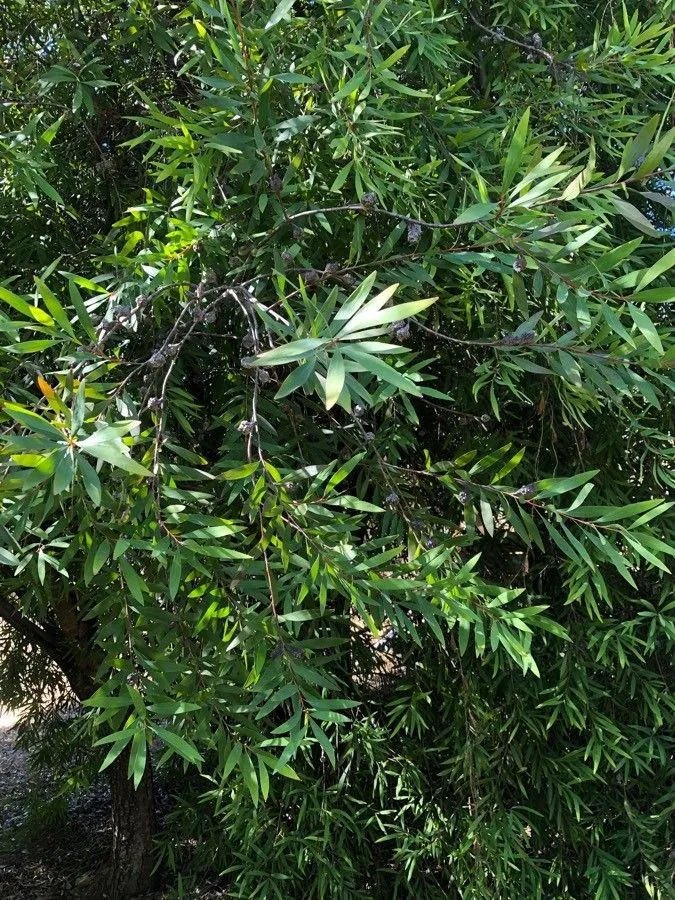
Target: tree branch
(37, 635)
(497, 34)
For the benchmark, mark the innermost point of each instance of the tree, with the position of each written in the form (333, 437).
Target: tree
(337, 433)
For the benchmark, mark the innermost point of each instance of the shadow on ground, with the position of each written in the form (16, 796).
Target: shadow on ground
(47, 851)
(58, 850)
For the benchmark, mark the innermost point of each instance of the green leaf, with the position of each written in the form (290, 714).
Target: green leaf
(29, 347)
(103, 700)
(486, 461)
(645, 553)
(33, 421)
(335, 379)
(560, 541)
(241, 472)
(464, 634)
(57, 74)
(78, 305)
(509, 467)
(264, 778)
(90, 479)
(50, 133)
(356, 300)
(295, 380)
(366, 312)
(78, 408)
(379, 368)
(352, 85)
(398, 87)
(656, 154)
(285, 692)
(354, 503)
(372, 317)
(183, 748)
(298, 615)
(341, 177)
(57, 311)
(570, 367)
(655, 295)
(175, 575)
(611, 554)
(7, 558)
(281, 12)
(323, 740)
(615, 514)
(64, 472)
(552, 487)
(475, 213)
(216, 552)
(100, 557)
(646, 327)
(393, 58)
(515, 154)
(614, 323)
(125, 734)
(47, 188)
(652, 514)
(344, 471)
(578, 546)
(233, 758)
(291, 352)
(115, 751)
(613, 257)
(479, 637)
(137, 757)
(639, 145)
(577, 185)
(486, 516)
(653, 272)
(26, 309)
(552, 627)
(173, 707)
(250, 780)
(106, 444)
(634, 216)
(134, 582)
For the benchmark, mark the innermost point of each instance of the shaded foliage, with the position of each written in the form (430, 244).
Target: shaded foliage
(337, 431)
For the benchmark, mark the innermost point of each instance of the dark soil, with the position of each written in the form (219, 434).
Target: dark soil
(57, 850)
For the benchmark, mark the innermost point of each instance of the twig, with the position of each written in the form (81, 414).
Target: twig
(501, 36)
(511, 342)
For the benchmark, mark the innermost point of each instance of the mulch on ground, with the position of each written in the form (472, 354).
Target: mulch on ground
(62, 859)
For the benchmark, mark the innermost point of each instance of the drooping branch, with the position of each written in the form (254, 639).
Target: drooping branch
(48, 641)
(68, 657)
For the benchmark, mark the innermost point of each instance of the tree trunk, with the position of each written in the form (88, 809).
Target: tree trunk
(133, 826)
(133, 811)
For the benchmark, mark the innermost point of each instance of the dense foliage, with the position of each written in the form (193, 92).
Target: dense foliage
(337, 433)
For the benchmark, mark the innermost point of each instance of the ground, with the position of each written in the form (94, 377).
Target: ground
(49, 853)
(61, 861)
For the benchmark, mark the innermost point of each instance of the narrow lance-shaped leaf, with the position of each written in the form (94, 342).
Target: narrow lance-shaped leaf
(107, 445)
(57, 311)
(369, 318)
(475, 213)
(515, 154)
(646, 327)
(362, 318)
(384, 371)
(335, 379)
(291, 352)
(182, 747)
